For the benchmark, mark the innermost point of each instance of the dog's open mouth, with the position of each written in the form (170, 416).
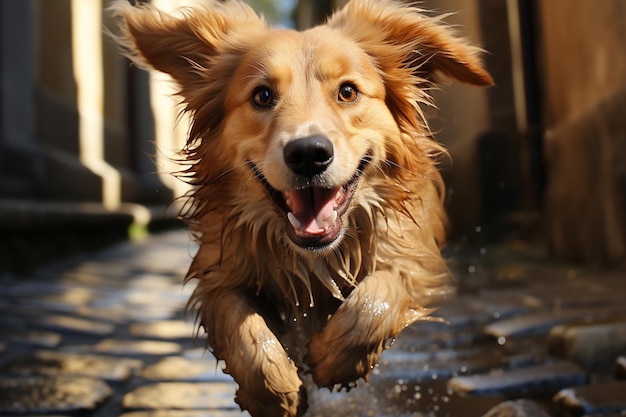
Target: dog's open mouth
(314, 214)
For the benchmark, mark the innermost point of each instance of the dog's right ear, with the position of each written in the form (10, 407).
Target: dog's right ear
(182, 46)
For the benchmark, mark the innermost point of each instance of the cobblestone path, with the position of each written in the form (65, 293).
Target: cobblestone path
(104, 335)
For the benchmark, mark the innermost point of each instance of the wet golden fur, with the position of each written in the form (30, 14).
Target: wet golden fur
(270, 305)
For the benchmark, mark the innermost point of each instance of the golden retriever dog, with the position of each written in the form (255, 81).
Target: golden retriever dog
(317, 202)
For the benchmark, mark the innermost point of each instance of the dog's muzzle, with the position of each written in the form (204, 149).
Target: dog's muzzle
(313, 210)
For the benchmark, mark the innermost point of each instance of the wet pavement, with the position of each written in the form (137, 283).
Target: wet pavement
(104, 334)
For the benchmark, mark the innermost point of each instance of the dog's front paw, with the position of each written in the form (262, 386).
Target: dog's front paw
(287, 404)
(351, 343)
(335, 361)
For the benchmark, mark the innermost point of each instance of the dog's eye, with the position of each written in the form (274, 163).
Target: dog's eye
(348, 93)
(263, 97)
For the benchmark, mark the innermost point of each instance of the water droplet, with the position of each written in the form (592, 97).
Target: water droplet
(483, 251)
(501, 340)
(471, 269)
(478, 229)
(389, 343)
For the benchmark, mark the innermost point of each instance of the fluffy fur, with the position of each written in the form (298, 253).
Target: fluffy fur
(319, 290)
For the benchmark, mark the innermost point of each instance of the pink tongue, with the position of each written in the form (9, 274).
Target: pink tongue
(312, 207)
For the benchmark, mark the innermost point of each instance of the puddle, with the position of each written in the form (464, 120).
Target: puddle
(399, 399)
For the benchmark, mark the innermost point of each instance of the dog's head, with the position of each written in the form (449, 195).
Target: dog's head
(302, 120)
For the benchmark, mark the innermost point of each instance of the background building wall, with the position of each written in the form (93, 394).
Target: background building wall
(459, 120)
(583, 67)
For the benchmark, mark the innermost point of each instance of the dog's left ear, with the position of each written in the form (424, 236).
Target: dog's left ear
(400, 37)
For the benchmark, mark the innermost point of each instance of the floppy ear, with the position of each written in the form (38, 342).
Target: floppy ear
(398, 35)
(200, 49)
(181, 46)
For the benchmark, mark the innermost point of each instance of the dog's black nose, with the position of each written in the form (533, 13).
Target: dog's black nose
(308, 156)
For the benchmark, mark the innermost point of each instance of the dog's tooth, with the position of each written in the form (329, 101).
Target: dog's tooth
(294, 221)
(333, 217)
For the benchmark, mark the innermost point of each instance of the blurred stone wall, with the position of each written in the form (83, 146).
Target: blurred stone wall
(476, 124)
(76, 118)
(583, 76)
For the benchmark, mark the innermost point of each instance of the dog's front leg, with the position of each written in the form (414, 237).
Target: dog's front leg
(352, 341)
(269, 385)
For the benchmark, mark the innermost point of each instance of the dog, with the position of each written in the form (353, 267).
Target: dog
(317, 202)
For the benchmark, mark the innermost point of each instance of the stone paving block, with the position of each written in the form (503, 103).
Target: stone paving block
(9, 319)
(543, 321)
(132, 347)
(51, 394)
(115, 310)
(67, 302)
(601, 398)
(434, 335)
(176, 368)
(115, 314)
(41, 339)
(503, 304)
(98, 273)
(481, 308)
(182, 395)
(22, 289)
(593, 345)
(198, 353)
(427, 366)
(164, 329)
(67, 324)
(531, 380)
(517, 408)
(55, 363)
(138, 296)
(462, 311)
(148, 281)
(581, 292)
(95, 276)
